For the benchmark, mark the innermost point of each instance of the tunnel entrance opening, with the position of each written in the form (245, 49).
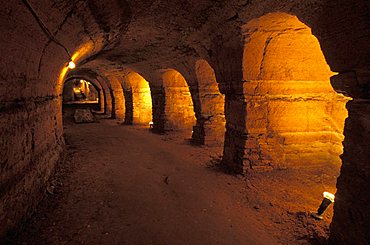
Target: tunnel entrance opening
(138, 99)
(80, 94)
(286, 118)
(80, 91)
(178, 108)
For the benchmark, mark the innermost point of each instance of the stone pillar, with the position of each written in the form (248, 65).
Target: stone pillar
(226, 58)
(118, 104)
(351, 221)
(118, 99)
(101, 100)
(158, 103)
(210, 127)
(107, 103)
(235, 135)
(198, 134)
(208, 106)
(129, 113)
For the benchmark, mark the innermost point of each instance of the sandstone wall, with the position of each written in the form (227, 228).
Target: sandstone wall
(140, 95)
(31, 82)
(118, 98)
(30, 117)
(158, 109)
(31, 143)
(289, 114)
(211, 123)
(178, 104)
(109, 36)
(142, 103)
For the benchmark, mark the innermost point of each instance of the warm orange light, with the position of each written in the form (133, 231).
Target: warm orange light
(329, 196)
(328, 199)
(71, 65)
(141, 96)
(179, 103)
(77, 90)
(86, 49)
(294, 115)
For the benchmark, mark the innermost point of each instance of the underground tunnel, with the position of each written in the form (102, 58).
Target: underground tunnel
(185, 122)
(79, 93)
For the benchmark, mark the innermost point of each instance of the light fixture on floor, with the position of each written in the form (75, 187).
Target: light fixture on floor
(326, 201)
(70, 64)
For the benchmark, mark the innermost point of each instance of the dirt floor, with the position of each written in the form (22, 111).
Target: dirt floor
(125, 185)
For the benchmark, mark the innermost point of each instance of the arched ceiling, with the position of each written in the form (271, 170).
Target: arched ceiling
(136, 32)
(149, 35)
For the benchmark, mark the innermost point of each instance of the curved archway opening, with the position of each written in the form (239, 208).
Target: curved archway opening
(80, 94)
(140, 103)
(80, 91)
(101, 83)
(178, 109)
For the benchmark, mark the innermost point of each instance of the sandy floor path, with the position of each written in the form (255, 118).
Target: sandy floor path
(129, 186)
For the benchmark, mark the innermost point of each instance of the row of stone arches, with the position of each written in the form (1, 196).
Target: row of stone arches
(130, 98)
(272, 108)
(280, 109)
(283, 113)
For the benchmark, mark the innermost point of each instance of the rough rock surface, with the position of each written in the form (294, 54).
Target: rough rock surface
(176, 197)
(83, 116)
(105, 38)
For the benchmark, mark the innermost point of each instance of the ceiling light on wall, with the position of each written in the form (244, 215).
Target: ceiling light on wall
(326, 201)
(71, 65)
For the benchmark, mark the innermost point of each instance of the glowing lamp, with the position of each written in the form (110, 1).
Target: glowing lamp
(326, 201)
(151, 124)
(71, 65)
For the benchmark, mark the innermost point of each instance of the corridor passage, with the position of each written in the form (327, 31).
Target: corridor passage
(125, 185)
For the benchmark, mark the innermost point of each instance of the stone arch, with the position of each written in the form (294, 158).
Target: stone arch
(294, 117)
(139, 106)
(98, 88)
(118, 98)
(87, 74)
(107, 96)
(210, 128)
(178, 105)
(30, 89)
